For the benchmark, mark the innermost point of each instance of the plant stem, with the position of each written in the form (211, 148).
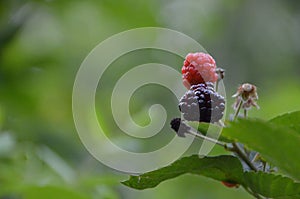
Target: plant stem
(252, 193)
(207, 138)
(198, 134)
(255, 157)
(217, 85)
(220, 123)
(245, 113)
(243, 156)
(238, 110)
(265, 166)
(235, 148)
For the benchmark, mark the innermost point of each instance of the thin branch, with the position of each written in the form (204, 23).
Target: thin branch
(238, 110)
(198, 134)
(217, 86)
(252, 193)
(245, 113)
(243, 156)
(181, 128)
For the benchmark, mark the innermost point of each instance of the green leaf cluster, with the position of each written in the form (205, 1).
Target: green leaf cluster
(277, 142)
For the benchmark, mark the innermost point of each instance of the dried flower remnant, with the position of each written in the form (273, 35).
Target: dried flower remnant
(221, 73)
(246, 97)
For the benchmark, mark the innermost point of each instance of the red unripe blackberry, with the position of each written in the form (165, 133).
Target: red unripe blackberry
(198, 68)
(201, 103)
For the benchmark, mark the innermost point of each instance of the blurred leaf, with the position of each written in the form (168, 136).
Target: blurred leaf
(106, 192)
(7, 144)
(50, 192)
(276, 144)
(57, 163)
(271, 185)
(291, 120)
(11, 29)
(222, 168)
(95, 180)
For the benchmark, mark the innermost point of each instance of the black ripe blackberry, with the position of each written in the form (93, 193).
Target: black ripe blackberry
(201, 103)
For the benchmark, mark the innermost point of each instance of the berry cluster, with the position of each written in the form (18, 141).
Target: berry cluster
(201, 103)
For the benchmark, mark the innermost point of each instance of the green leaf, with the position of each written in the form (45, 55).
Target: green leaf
(274, 186)
(278, 145)
(223, 168)
(291, 120)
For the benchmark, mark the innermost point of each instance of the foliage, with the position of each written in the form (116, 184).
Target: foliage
(277, 142)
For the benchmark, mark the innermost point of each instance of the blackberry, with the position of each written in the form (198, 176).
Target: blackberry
(201, 103)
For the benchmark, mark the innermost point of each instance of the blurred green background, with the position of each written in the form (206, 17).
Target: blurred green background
(42, 44)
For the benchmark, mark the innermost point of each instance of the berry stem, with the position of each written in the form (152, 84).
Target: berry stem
(198, 134)
(217, 85)
(221, 74)
(245, 113)
(221, 123)
(237, 110)
(234, 148)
